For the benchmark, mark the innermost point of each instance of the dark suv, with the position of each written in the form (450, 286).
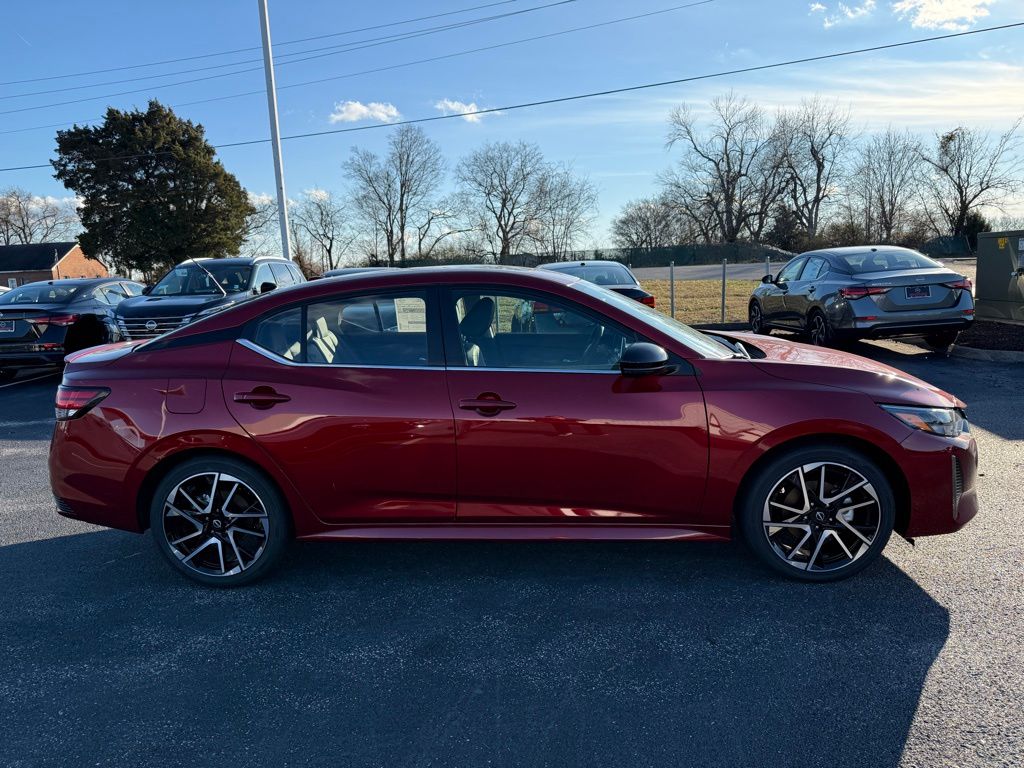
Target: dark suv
(200, 287)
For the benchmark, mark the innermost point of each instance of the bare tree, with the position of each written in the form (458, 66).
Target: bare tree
(816, 138)
(26, 218)
(499, 183)
(646, 223)
(888, 174)
(969, 169)
(261, 233)
(394, 194)
(731, 173)
(323, 220)
(564, 206)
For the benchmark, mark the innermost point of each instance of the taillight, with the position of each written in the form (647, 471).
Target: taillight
(648, 300)
(964, 284)
(73, 402)
(860, 291)
(62, 320)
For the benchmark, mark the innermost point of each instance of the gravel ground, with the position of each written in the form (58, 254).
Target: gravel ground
(986, 334)
(546, 654)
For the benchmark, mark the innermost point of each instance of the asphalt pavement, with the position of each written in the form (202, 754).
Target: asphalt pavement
(515, 654)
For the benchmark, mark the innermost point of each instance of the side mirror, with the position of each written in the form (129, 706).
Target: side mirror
(768, 279)
(147, 289)
(643, 359)
(267, 287)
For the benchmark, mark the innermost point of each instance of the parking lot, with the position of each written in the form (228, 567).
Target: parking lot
(468, 654)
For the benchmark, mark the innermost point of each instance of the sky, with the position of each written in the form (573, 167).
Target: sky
(618, 141)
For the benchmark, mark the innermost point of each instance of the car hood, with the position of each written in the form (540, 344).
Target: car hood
(835, 368)
(172, 306)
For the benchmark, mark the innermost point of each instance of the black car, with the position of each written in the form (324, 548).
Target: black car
(200, 287)
(42, 322)
(609, 274)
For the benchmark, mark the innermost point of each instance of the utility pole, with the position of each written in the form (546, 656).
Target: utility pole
(275, 135)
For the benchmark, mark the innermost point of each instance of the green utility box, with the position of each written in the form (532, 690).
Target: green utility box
(999, 293)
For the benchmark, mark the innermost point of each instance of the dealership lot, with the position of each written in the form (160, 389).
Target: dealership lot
(516, 654)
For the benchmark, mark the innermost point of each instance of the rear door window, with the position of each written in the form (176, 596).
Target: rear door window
(282, 275)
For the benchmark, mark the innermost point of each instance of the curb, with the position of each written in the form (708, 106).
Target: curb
(988, 355)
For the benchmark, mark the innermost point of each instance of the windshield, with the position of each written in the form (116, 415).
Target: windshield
(600, 274)
(190, 279)
(886, 261)
(42, 293)
(683, 333)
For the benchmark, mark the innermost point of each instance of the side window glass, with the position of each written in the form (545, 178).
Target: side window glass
(814, 269)
(263, 275)
(790, 271)
(132, 289)
(385, 330)
(282, 275)
(524, 330)
(281, 334)
(297, 276)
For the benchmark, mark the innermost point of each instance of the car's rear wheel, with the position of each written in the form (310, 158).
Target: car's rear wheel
(941, 341)
(819, 329)
(219, 522)
(818, 513)
(756, 318)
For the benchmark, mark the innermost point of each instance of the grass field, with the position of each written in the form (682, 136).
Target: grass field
(700, 301)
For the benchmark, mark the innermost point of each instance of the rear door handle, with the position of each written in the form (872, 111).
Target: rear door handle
(261, 398)
(486, 405)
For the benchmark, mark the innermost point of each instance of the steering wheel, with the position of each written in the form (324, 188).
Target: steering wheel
(593, 342)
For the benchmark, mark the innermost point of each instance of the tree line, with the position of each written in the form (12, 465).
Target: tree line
(805, 178)
(150, 192)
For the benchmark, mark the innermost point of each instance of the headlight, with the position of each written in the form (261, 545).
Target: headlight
(948, 422)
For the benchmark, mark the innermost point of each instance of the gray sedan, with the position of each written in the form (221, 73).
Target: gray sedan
(864, 292)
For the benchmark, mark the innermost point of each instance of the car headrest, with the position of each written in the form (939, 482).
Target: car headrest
(478, 320)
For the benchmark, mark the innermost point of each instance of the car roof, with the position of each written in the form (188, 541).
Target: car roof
(239, 261)
(80, 281)
(857, 250)
(557, 265)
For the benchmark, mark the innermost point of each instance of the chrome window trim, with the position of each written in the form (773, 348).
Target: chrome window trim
(253, 347)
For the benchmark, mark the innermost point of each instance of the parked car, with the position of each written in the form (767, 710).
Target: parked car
(343, 271)
(864, 292)
(610, 274)
(291, 416)
(200, 287)
(42, 322)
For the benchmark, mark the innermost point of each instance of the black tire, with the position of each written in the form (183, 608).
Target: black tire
(818, 329)
(755, 316)
(941, 341)
(764, 539)
(275, 525)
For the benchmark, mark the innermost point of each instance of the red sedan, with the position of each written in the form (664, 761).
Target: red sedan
(495, 403)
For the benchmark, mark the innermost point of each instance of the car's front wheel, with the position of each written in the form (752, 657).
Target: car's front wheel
(818, 513)
(756, 317)
(219, 522)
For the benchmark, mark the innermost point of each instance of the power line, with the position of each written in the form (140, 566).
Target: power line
(400, 65)
(280, 59)
(581, 96)
(256, 47)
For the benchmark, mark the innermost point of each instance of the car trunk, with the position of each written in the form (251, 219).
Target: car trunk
(913, 289)
(16, 326)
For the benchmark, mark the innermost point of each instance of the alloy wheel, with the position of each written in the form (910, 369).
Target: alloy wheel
(818, 330)
(821, 517)
(756, 320)
(215, 524)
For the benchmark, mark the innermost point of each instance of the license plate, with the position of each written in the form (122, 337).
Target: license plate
(6, 326)
(919, 291)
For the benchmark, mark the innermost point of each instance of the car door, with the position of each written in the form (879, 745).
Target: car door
(548, 430)
(773, 302)
(802, 291)
(356, 412)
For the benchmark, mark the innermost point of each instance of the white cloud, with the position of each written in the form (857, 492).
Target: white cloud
(315, 193)
(843, 12)
(454, 107)
(953, 15)
(355, 111)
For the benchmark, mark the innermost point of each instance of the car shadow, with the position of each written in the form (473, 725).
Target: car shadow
(463, 653)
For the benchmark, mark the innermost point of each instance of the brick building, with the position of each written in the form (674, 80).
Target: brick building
(20, 264)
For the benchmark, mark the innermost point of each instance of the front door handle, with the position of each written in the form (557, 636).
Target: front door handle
(261, 398)
(487, 404)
